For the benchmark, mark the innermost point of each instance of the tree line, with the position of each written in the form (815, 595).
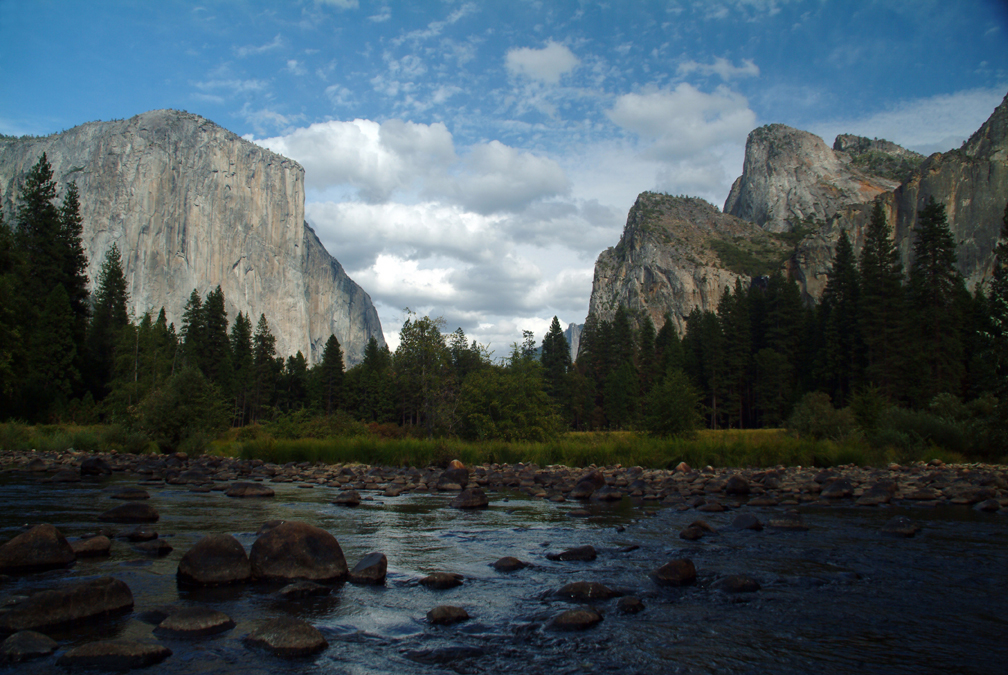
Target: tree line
(879, 337)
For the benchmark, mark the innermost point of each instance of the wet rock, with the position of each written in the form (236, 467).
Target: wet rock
(629, 605)
(900, 526)
(41, 548)
(440, 581)
(75, 603)
(711, 507)
(509, 564)
(878, 494)
(297, 550)
(267, 526)
(115, 655)
(455, 474)
(216, 559)
(747, 521)
(347, 498)
(736, 583)
(250, 490)
(607, 494)
(579, 513)
(154, 547)
(444, 615)
(95, 466)
(683, 467)
(132, 512)
(194, 622)
(691, 533)
(581, 553)
(679, 572)
(789, 520)
(37, 465)
(736, 485)
(140, 533)
(582, 490)
(586, 590)
(371, 570)
(988, 506)
(839, 489)
(593, 477)
(288, 637)
(131, 494)
(303, 589)
(470, 498)
(582, 618)
(64, 476)
(94, 547)
(26, 644)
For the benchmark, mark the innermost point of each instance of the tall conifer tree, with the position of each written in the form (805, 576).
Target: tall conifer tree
(881, 315)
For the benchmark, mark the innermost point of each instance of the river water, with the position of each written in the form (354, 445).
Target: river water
(839, 597)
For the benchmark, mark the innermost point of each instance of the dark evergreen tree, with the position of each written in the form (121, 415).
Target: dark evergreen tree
(881, 309)
(54, 372)
(74, 275)
(12, 309)
(647, 358)
(668, 349)
(293, 387)
(40, 234)
(555, 360)
(243, 373)
(265, 367)
(216, 356)
(935, 289)
(736, 326)
(840, 360)
(110, 319)
(331, 375)
(193, 331)
(996, 336)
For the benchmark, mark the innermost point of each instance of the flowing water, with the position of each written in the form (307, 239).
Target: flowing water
(839, 597)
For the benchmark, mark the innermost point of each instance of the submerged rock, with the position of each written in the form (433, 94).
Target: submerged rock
(216, 559)
(441, 581)
(581, 553)
(287, 636)
(470, 498)
(92, 547)
(509, 564)
(194, 622)
(303, 589)
(736, 583)
(243, 489)
(115, 655)
(900, 526)
(630, 605)
(587, 590)
(576, 619)
(679, 572)
(447, 614)
(132, 512)
(347, 498)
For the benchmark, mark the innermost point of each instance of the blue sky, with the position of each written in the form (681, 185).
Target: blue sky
(471, 159)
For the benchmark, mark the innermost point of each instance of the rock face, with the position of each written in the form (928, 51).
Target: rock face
(192, 205)
(676, 254)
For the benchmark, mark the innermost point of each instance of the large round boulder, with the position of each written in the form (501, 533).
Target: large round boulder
(93, 547)
(287, 636)
(347, 498)
(679, 572)
(470, 498)
(216, 559)
(297, 550)
(95, 466)
(76, 603)
(41, 548)
(26, 644)
(131, 512)
(582, 553)
(455, 474)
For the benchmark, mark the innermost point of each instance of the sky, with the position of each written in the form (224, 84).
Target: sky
(470, 160)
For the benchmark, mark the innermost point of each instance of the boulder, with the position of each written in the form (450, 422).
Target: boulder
(747, 521)
(24, 645)
(303, 589)
(297, 550)
(841, 488)
(583, 490)
(509, 564)
(587, 590)
(470, 498)
(679, 572)
(216, 559)
(287, 636)
(95, 466)
(629, 605)
(267, 526)
(582, 553)
(347, 498)
(455, 474)
(41, 548)
(446, 614)
(154, 547)
(594, 477)
(114, 655)
(194, 622)
(131, 512)
(243, 489)
(441, 581)
(93, 547)
(736, 583)
(371, 570)
(75, 603)
(736, 485)
(576, 619)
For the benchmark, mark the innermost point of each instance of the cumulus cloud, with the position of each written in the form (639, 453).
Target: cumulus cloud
(339, 4)
(546, 65)
(721, 67)
(250, 50)
(501, 178)
(684, 121)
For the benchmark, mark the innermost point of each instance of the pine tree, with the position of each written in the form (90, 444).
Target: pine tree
(996, 338)
(216, 355)
(668, 349)
(241, 367)
(331, 375)
(881, 310)
(264, 365)
(935, 284)
(736, 326)
(840, 360)
(74, 274)
(55, 372)
(110, 318)
(39, 233)
(555, 360)
(12, 309)
(647, 359)
(193, 331)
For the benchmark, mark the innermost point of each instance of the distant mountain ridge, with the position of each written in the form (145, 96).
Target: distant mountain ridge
(192, 205)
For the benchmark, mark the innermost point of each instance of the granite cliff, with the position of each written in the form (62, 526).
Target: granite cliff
(192, 205)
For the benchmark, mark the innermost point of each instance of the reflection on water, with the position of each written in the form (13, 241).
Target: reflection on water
(837, 598)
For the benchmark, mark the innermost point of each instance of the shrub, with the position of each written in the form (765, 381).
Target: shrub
(187, 405)
(673, 407)
(816, 417)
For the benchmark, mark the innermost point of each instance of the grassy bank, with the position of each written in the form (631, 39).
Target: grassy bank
(732, 448)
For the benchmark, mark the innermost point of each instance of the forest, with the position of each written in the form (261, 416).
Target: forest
(889, 357)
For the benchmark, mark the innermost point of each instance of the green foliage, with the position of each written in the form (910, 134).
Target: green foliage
(187, 408)
(877, 163)
(673, 408)
(750, 257)
(815, 417)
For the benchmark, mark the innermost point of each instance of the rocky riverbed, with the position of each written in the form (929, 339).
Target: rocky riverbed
(217, 565)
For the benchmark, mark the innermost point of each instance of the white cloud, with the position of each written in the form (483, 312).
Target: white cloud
(235, 86)
(384, 14)
(501, 178)
(933, 124)
(721, 67)
(546, 65)
(685, 121)
(339, 4)
(276, 43)
(295, 67)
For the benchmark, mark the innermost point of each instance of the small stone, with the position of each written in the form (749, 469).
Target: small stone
(347, 498)
(371, 570)
(303, 589)
(470, 498)
(288, 637)
(691, 533)
(248, 490)
(115, 655)
(440, 581)
(736, 583)
(155, 547)
(900, 526)
(92, 548)
(679, 572)
(195, 622)
(132, 512)
(629, 605)
(26, 644)
(444, 615)
(576, 619)
(140, 533)
(587, 590)
(581, 553)
(747, 521)
(509, 564)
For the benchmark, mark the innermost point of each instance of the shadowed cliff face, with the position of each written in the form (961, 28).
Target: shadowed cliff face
(192, 205)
